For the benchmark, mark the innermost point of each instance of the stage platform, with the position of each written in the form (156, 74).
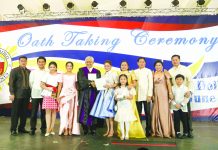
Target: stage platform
(205, 138)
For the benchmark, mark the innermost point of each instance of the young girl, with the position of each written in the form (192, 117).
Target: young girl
(125, 114)
(136, 130)
(104, 103)
(68, 100)
(49, 85)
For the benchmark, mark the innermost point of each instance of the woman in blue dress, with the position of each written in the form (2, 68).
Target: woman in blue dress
(104, 103)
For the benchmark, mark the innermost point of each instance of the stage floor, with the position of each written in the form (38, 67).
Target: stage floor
(206, 135)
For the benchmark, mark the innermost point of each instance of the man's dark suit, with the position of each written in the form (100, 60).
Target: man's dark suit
(19, 87)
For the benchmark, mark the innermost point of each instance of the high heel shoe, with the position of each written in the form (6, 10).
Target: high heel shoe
(70, 132)
(110, 134)
(47, 134)
(126, 137)
(52, 132)
(65, 133)
(106, 134)
(122, 138)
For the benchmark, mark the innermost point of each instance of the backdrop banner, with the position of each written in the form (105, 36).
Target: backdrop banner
(194, 38)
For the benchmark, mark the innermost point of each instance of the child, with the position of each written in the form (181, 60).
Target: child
(136, 130)
(125, 114)
(179, 106)
(49, 85)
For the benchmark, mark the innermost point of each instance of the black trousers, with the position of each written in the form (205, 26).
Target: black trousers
(36, 102)
(190, 129)
(86, 128)
(100, 123)
(178, 116)
(19, 111)
(147, 110)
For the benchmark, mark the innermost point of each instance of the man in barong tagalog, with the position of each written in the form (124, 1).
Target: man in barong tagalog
(87, 95)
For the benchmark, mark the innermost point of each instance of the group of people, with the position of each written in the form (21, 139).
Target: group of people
(123, 98)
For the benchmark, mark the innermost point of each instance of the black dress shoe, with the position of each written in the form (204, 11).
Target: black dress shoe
(85, 129)
(93, 132)
(86, 132)
(185, 135)
(43, 131)
(190, 135)
(14, 133)
(148, 134)
(179, 136)
(32, 132)
(23, 131)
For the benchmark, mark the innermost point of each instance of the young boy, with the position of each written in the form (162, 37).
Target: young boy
(179, 106)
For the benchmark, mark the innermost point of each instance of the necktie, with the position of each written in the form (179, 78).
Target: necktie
(25, 83)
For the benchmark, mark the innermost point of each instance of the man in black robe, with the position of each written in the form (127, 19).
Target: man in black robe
(87, 95)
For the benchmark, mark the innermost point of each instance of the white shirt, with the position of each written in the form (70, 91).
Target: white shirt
(34, 82)
(51, 79)
(90, 69)
(185, 72)
(144, 86)
(110, 77)
(179, 97)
